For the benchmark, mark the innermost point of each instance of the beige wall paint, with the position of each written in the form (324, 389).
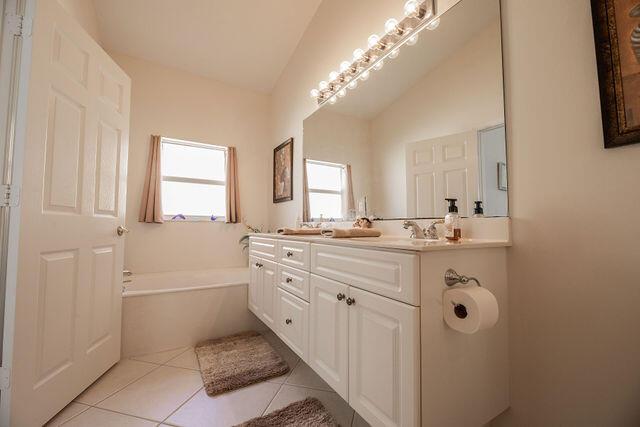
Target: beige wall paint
(176, 104)
(574, 267)
(85, 13)
(471, 99)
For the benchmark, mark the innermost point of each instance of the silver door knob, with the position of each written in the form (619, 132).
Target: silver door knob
(121, 230)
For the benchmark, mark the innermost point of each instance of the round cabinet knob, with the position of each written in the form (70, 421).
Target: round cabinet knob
(340, 296)
(288, 280)
(289, 254)
(258, 265)
(351, 301)
(288, 321)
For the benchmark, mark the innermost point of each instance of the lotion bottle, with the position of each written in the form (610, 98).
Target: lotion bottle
(452, 225)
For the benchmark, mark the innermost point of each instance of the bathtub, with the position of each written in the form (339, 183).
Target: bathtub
(163, 311)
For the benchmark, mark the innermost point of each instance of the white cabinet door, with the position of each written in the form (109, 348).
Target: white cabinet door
(255, 285)
(329, 333)
(293, 322)
(384, 360)
(269, 295)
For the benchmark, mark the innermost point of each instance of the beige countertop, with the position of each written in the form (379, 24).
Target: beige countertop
(393, 242)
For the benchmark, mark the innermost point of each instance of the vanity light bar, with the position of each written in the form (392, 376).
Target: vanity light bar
(418, 16)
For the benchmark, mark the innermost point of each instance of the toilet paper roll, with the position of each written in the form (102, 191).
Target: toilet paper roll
(469, 310)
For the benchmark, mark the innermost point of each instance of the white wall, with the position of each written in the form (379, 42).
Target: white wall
(573, 270)
(462, 93)
(84, 13)
(176, 104)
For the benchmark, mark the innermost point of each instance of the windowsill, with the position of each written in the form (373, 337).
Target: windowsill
(170, 218)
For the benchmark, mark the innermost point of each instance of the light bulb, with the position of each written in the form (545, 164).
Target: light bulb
(365, 75)
(433, 24)
(378, 65)
(323, 85)
(344, 66)
(342, 93)
(358, 54)
(333, 75)
(314, 93)
(353, 84)
(373, 41)
(391, 25)
(411, 8)
(394, 53)
(412, 40)
(333, 100)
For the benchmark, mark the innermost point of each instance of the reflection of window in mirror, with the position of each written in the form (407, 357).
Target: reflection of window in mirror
(327, 190)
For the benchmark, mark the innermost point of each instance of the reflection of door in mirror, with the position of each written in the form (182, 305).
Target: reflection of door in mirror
(493, 154)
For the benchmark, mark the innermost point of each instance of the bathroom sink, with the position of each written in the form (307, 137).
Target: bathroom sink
(394, 240)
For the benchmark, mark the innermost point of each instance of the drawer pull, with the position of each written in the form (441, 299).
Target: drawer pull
(288, 280)
(340, 296)
(289, 254)
(258, 265)
(288, 321)
(351, 301)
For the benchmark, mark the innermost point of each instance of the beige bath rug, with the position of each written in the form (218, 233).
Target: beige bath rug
(308, 412)
(237, 361)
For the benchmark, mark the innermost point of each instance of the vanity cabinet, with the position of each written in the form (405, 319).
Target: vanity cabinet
(262, 287)
(293, 322)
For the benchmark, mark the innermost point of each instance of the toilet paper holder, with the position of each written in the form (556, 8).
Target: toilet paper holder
(452, 278)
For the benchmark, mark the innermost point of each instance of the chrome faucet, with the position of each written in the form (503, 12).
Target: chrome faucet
(431, 231)
(416, 231)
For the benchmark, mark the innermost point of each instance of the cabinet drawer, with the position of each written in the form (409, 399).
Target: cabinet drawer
(293, 322)
(293, 254)
(391, 274)
(294, 281)
(263, 248)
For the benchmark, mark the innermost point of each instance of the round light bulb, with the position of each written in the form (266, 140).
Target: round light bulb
(412, 40)
(433, 24)
(333, 100)
(358, 54)
(333, 75)
(344, 66)
(314, 93)
(373, 41)
(353, 84)
(411, 8)
(394, 53)
(323, 85)
(365, 75)
(378, 65)
(342, 93)
(391, 25)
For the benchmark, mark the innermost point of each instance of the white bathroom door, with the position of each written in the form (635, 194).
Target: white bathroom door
(439, 168)
(68, 299)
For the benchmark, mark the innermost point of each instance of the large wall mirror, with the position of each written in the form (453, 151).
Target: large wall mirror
(427, 126)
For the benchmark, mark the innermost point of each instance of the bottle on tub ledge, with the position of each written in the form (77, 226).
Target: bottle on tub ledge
(452, 223)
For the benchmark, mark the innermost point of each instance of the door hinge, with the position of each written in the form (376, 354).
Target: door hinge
(18, 25)
(9, 196)
(5, 378)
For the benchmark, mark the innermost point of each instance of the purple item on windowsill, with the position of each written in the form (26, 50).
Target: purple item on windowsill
(179, 216)
(213, 217)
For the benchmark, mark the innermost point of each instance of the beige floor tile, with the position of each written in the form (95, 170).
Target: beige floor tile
(225, 409)
(95, 417)
(161, 357)
(187, 360)
(157, 394)
(304, 376)
(282, 378)
(70, 411)
(122, 374)
(358, 421)
(334, 403)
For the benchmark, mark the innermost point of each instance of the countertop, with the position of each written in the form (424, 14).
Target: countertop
(393, 242)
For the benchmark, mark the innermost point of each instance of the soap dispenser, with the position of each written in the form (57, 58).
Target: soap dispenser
(453, 230)
(478, 211)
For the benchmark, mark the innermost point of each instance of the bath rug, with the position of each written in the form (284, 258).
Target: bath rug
(308, 412)
(237, 361)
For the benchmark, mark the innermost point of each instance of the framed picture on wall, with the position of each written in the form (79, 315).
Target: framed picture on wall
(616, 25)
(283, 172)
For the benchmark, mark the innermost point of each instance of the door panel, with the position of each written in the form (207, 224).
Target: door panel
(255, 286)
(269, 294)
(384, 360)
(293, 322)
(329, 333)
(68, 298)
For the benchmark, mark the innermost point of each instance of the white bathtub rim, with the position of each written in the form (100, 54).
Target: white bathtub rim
(130, 294)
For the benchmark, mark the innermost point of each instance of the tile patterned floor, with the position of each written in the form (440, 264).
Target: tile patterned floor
(165, 389)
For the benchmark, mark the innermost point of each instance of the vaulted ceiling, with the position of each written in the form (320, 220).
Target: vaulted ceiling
(242, 43)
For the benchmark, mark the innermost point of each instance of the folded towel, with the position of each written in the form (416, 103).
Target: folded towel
(300, 231)
(351, 232)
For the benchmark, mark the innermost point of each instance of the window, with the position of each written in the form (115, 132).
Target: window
(326, 189)
(193, 180)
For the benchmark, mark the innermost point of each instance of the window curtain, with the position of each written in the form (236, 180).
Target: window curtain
(233, 192)
(306, 213)
(151, 205)
(351, 204)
